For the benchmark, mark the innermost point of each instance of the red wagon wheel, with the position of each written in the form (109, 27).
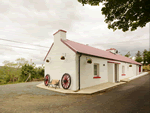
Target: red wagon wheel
(66, 81)
(46, 79)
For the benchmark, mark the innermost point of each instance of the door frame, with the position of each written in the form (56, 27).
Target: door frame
(139, 68)
(116, 73)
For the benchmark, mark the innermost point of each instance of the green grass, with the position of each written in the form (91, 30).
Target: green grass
(4, 82)
(146, 68)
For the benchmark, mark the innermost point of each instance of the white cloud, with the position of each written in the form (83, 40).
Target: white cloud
(35, 21)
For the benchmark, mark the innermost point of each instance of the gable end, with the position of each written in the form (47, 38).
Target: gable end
(48, 51)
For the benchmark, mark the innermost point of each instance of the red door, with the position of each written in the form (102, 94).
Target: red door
(139, 68)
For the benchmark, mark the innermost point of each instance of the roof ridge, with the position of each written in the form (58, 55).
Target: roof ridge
(76, 42)
(88, 45)
(125, 58)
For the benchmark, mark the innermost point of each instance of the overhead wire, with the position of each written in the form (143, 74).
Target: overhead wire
(19, 47)
(18, 33)
(48, 47)
(23, 43)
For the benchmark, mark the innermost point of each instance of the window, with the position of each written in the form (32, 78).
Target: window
(96, 69)
(123, 69)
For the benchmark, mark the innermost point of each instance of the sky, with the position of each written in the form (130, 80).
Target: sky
(35, 21)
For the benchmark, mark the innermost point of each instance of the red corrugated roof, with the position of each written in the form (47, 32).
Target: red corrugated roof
(81, 48)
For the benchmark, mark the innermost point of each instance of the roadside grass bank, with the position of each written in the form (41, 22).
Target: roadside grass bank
(10, 82)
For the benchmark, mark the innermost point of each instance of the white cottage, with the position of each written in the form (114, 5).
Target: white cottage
(79, 66)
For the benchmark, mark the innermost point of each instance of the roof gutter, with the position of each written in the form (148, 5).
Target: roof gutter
(109, 58)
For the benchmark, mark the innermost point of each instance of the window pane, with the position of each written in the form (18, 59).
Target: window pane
(95, 72)
(123, 69)
(95, 69)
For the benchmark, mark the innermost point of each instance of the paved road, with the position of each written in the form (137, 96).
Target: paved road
(133, 97)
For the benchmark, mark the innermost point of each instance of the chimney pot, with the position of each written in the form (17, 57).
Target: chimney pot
(60, 34)
(60, 30)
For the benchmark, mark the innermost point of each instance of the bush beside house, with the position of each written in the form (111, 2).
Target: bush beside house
(19, 72)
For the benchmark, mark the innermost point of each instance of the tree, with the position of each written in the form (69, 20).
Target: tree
(138, 54)
(144, 57)
(123, 14)
(11, 70)
(39, 72)
(20, 62)
(9, 64)
(20, 70)
(147, 57)
(139, 59)
(131, 57)
(25, 70)
(128, 54)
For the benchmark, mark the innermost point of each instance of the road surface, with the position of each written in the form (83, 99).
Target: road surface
(132, 97)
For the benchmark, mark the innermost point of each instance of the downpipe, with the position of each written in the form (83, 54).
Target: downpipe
(79, 74)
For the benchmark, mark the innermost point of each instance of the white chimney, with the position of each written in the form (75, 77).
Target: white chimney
(60, 34)
(112, 50)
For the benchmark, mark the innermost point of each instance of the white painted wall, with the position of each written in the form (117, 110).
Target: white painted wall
(141, 69)
(111, 72)
(129, 71)
(137, 70)
(57, 67)
(87, 72)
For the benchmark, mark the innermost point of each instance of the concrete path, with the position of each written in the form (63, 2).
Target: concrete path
(140, 75)
(89, 90)
(134, 77)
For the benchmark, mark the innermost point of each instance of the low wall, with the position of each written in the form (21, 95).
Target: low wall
(142, 74)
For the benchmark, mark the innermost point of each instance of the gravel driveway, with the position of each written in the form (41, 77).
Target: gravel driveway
(24, 88)
(27, 98)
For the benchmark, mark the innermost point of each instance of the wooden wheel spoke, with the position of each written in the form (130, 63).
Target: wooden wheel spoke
(46, 79)
(66, 81)
(46, 82)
